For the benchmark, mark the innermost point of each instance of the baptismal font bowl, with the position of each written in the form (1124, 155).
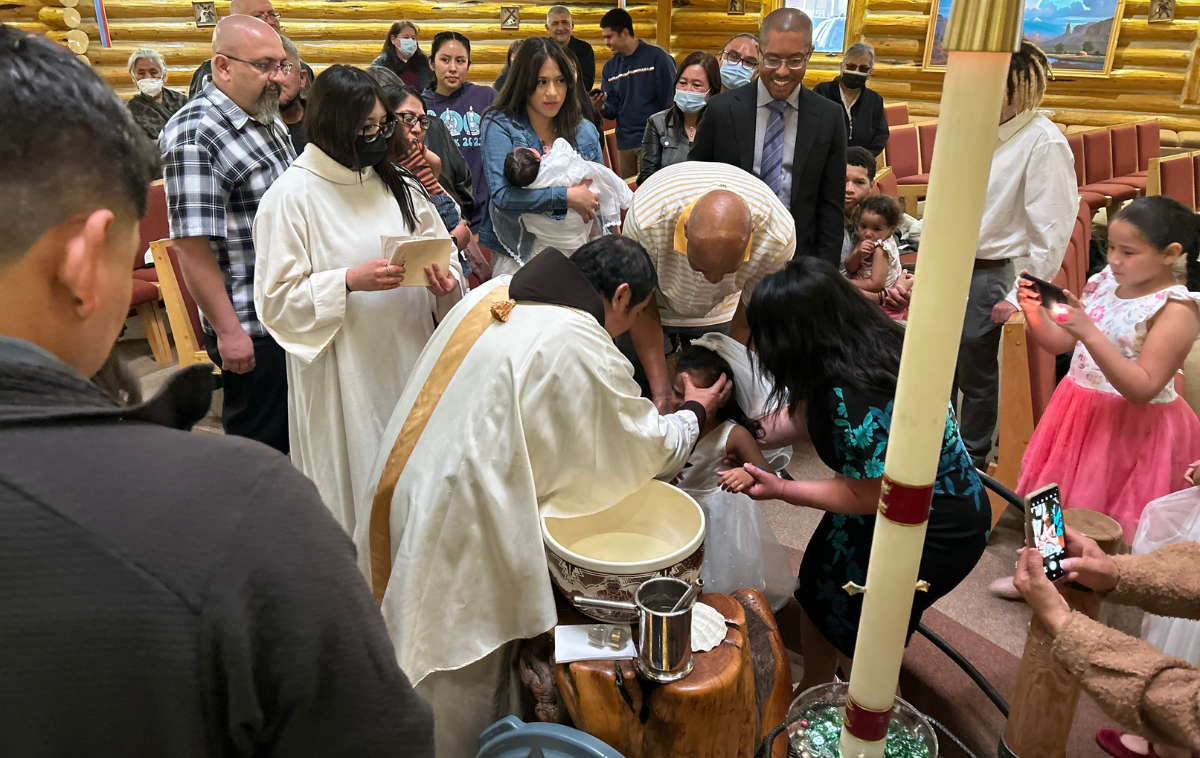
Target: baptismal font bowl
(656, 531)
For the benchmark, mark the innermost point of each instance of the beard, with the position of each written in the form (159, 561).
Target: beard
(266, 108)
(286, 105)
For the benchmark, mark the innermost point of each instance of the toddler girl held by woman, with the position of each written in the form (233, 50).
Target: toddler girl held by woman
(873, 264)
(740, 548)
(1116, 435)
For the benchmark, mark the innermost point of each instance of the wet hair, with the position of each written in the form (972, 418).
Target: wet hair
(861, 157)
(1163, 221)
(881, 205)
(341, 102)
(521, 166)
(812, 330)
(68, 145)
(1028, 71)
(416, 62)
(618, 20)
(612, 260)
(706, 366)
(522, 83)
(706, 61)
(442, 38)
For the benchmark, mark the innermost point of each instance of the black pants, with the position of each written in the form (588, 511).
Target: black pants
(256, 403)
(675, 338)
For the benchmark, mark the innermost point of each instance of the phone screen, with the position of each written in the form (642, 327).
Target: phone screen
(1047, 530)
(1051, 294)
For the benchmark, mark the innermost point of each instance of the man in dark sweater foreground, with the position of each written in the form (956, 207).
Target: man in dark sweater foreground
(162, 593)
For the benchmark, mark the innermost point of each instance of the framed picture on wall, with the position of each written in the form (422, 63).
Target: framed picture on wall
(829, 23)
(205, 14)
(1079, 39)
(1161, 10)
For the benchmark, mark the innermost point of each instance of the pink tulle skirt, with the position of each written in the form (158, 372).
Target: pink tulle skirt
(1108, 454)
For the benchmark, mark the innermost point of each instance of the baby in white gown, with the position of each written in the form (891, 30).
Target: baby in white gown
(563, 166)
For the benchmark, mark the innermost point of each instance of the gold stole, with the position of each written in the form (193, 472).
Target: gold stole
(495, 306)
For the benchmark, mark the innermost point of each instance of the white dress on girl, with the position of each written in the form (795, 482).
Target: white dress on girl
(740, 550)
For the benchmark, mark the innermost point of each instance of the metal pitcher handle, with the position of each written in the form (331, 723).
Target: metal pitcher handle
(595, 602)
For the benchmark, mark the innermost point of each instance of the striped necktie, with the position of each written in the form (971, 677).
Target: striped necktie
(771, 166)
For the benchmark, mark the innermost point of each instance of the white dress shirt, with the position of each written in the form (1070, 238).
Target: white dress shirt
(1032, 197)
(790, 116)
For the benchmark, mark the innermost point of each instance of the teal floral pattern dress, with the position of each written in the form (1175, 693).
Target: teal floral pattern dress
(850, 433)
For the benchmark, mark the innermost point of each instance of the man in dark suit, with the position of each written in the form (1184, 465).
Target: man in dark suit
(783, 133)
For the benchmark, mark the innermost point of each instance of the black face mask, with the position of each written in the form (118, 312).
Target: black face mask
(854, 80)
(370, 153)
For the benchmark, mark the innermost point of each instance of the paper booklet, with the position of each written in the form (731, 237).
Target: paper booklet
(415, 253)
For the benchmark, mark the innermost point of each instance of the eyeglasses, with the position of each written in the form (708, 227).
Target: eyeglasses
(371, 131)
(412, 119)
(795, 63)
(732, 57)
(864, 68)
(283, 67)
(264, 15)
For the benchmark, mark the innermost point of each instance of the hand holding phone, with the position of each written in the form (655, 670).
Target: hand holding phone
(1050, 294)
(1045, 530)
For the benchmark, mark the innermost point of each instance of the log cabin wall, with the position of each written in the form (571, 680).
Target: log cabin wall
(336, 31)
(1154, 71)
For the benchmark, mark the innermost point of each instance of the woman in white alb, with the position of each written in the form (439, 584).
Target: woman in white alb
(326, 294)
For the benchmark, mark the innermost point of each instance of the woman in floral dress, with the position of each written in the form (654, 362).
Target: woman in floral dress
(833, 358)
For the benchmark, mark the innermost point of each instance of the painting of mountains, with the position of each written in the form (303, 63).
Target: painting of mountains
(1074, 34)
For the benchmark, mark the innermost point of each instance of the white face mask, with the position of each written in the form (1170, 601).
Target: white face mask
(407, 46)
(150, 87)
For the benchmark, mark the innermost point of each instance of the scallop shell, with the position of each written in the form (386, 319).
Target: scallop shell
(708, 628)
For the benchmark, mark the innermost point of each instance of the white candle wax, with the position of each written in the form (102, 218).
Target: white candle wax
(970, 114)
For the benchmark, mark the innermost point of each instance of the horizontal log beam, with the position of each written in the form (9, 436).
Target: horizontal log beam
(1140, 29)
(1135, 8)
(1152, 56)
(178, 77)
(896, 47)
(687, 5)
(59, 18)
(383, 11)
(894, 6)
(704, 21)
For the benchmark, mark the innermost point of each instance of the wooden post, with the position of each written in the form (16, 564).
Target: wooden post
(1016, 410)
(663, 26)
(856, 14)
(1043, 706)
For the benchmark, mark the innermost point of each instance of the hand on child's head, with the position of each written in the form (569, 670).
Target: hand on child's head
(679, 389)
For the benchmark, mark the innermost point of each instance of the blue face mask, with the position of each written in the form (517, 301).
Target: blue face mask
(407, 47)
(734, 75)
(689, 102)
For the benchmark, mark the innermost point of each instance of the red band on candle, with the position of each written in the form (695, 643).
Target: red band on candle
(865, 724)
(904, 504)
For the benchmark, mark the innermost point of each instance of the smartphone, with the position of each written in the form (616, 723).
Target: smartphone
(595, 91)
(1045, 531)
(1049, 292)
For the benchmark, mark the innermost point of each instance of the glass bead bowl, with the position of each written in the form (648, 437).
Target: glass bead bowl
(818, 715)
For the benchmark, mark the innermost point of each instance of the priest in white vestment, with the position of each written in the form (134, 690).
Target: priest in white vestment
(349, 353)
(514, 410)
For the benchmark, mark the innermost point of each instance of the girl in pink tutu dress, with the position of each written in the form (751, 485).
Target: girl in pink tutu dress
(1116, 435)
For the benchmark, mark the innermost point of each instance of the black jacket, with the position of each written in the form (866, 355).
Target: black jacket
(586, 57)
(456, 174)
(665, 143)
(726, 135)
(416, 72)
(169, 595)
(869, 129)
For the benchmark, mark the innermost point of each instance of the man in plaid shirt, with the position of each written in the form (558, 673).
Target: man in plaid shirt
(221, 152)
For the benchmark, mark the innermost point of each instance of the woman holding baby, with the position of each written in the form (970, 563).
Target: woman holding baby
(537, 105)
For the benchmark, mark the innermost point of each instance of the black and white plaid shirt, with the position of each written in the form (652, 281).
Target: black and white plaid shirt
(218, 162)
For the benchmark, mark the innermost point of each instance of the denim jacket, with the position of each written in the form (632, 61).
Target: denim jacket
(501, 230)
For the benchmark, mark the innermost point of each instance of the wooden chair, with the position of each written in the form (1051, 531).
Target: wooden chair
(610, 149)
(185, 321)
(1098, 170)
(885, 182)
(145, 295)
(896, 114)
(904, 158)
(1173, 176)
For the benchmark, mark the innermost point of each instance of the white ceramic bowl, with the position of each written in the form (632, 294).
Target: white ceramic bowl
(656, 531)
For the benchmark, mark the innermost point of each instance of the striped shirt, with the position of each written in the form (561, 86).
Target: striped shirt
(414, 161)
(685, 297)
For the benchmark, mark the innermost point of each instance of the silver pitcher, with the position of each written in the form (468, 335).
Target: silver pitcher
(664, 636)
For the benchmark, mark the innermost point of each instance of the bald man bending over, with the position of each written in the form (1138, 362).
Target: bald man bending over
(713, 233)
(221, 152)
(262, 10)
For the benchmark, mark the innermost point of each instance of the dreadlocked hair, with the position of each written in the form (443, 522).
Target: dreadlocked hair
(706, 367)
(1027, 76)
